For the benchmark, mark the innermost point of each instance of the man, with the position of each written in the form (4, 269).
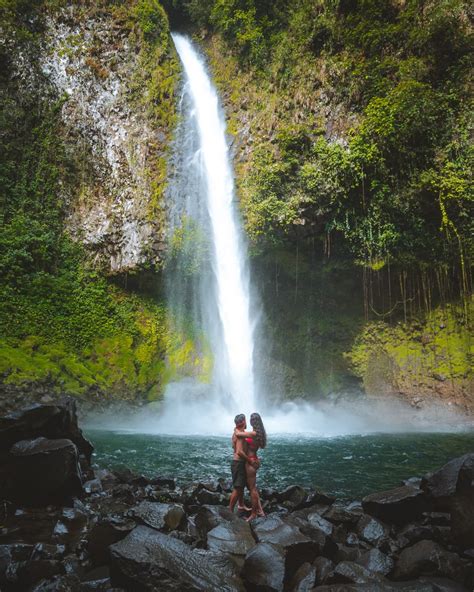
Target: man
(239, 475)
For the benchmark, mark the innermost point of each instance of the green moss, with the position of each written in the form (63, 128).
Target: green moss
(439, 348)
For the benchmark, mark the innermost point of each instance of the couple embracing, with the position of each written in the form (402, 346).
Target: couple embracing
(245, 463)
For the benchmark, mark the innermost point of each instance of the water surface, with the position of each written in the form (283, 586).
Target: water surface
(349, 466)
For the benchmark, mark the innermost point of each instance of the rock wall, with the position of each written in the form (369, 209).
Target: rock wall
(93, 60)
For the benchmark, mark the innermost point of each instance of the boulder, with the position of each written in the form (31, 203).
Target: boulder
(462, 506)
(208, 517)
(348, 571)
(428, 558)
(317, 521)
(294, 494)
(304, 579)
(298, 547)
(264, 568)
(324, 568)
(376, 562)
(231, 537)
(58, 421)
(148, 560)
(399, 506)
(442, 485)
(109, 530)
(41, 472)
(343, 513)
(371, 530)
(159, 515)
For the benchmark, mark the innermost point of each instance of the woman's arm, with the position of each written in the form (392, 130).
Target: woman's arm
(238, 434)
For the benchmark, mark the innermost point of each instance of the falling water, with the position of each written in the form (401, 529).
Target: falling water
(209, 281)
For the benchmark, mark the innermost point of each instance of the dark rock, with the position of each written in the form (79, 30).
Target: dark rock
(413, 533)
(264, 568)
(462, 506)
(204, 496)
(231, 537)
(304, 579)
(150, 560)
(437, 518)
(442, 485)
(413, 481)
(158, 515)
(428, 558)
(66, 583)
(167, 482)
(40, 472)
(294, 494)
(318, 497)
(107, 531)
(346, 553)
(58, 421)
(321, 523)
(371, 530)
(348, 571)
(268, 494)
(375, 561)
(93, 486)
(208, 517)
(345, 513)
(24, 574)
(399, 506)
(444, 585)
(324, 568)
(298, 547)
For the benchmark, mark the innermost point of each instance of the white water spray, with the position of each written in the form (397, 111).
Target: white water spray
(203, 191)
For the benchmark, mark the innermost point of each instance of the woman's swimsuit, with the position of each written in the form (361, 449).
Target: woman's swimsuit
(251, 444)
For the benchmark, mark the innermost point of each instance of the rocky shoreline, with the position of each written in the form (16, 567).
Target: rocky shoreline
(68, 526)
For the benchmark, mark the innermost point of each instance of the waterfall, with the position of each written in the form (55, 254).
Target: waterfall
(208, 285)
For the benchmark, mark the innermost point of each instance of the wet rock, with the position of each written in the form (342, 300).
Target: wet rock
(413, 533)
(40, 472)
(106, 532)
(159, 515)
(437, 518)
(399, 506)
(208, 517)
(231, 537)
(304, 579)
(24, 574)
(442, 485)
(324, 568)
(376, 562)
(318, 497)
(294, 494)
(346, 553)
(371, 530)
(93, 486)
(264, 568)
(66, 583)
(298, 547)
(462, 506)
(58, 421)
(164, 482)
(343, 513)
(149, 560)
(428, 558)
(317, 521)
(348, 571)
(444, 585)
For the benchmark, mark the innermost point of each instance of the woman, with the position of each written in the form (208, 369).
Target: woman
(255, 440)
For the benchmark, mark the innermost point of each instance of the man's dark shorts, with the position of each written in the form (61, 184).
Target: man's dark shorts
(239, 476)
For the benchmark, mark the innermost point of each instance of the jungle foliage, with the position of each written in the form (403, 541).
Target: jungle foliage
(395, 184)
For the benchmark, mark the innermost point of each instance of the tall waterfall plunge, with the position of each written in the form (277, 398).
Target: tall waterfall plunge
(208, 280)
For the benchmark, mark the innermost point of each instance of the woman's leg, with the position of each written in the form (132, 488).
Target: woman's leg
(252, 485)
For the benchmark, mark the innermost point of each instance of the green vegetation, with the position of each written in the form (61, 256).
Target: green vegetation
(62, 322)
(359, 117)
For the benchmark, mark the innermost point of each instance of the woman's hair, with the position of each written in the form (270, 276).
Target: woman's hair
(257, 424)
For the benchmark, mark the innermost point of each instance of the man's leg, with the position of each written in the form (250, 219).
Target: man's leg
(236, 494)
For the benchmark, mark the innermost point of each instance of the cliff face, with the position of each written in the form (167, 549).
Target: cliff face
(95, 62)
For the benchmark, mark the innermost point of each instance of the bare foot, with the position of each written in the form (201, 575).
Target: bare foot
(251, 517)
(244, 509)
(261, 514)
